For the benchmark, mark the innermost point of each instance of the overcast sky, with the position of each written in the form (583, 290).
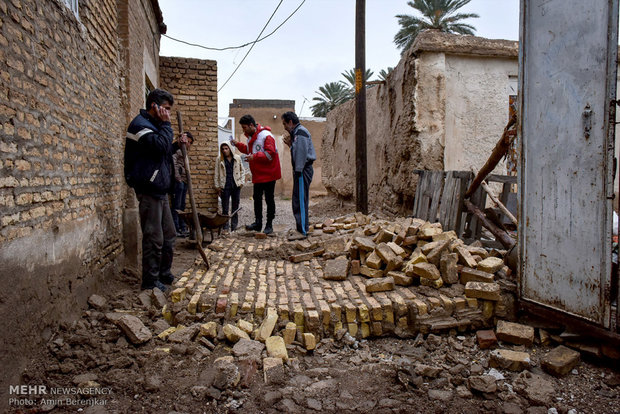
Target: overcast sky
(312, 48)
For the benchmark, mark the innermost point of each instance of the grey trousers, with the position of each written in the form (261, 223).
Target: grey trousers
(158, 237)
(301, 188)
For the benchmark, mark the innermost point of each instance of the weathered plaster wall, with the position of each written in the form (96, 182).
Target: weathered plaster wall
(476, 110)
(427, 115)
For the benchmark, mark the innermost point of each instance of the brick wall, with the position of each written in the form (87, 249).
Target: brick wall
(193, 83)
(62, 123)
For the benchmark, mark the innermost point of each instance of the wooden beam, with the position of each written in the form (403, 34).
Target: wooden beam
(501, 236)
(499, 203)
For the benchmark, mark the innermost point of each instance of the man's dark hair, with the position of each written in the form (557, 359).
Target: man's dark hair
(247, 120)
(190, 136)
(290, 116)
(159, 96)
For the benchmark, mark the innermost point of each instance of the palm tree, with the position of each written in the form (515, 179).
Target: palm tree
(437, 14)
(383, 74)
(330, 96)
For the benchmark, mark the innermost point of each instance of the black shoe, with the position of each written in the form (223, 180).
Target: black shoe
(157, 284)
(256, 226)
(166, 280)
(268, 229)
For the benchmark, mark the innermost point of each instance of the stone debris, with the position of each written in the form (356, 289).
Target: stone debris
(134, 329)
(273, 370)
(97, 302)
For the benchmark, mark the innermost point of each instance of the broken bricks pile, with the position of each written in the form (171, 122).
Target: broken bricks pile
(357, 274)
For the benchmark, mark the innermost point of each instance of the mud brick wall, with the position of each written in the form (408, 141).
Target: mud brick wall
(193, 82)
(443, 107)
(62, 126)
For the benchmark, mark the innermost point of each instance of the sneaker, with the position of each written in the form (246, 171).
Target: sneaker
(254, 226)
(268, 229)
(181, 235)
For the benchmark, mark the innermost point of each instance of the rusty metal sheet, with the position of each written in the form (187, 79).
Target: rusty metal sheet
(567, 61)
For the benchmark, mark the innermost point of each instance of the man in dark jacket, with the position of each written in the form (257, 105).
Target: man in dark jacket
(149, 171)
(302, 157)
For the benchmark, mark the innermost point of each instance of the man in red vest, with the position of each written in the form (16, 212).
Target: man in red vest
(265, 167)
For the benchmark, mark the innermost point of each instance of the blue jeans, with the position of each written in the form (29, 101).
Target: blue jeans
(178, 203)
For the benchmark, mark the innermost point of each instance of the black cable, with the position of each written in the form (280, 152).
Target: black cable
(252, 47)
(243, 45)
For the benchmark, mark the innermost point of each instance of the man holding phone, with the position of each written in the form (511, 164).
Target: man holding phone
(149, 171)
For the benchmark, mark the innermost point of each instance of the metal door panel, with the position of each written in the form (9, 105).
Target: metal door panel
(568, 53)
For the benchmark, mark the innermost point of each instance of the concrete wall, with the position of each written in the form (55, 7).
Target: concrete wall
(193, 83)
(443, 107)
(62, 128)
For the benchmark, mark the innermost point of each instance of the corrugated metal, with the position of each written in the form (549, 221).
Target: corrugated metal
(567, 59)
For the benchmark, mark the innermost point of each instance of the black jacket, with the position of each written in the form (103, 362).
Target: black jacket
(148, 156)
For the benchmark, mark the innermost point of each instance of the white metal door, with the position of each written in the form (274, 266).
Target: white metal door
(567, 65)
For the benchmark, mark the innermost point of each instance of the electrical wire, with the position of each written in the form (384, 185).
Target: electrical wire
(251, 47)
(219, 49)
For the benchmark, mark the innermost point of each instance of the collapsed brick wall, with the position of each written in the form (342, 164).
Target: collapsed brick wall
(193, 83)
(62, 125)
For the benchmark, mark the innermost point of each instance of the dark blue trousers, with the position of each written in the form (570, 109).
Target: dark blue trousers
(301, 187)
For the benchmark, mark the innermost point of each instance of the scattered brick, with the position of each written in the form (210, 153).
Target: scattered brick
(474, 275)
(511, 360)
(381, 284)
(336, 269)
(486, 338)
(276, 347)
(481, 290)
(515, 333)
(490, 264)
(560, 361)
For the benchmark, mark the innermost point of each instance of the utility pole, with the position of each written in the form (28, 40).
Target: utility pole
(361, 174)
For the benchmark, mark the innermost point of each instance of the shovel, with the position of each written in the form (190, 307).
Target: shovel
(190, 190)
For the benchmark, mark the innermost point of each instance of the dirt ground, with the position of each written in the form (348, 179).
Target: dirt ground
(432, 374)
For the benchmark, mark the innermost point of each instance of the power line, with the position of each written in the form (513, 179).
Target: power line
(252, 47)
(219, 49)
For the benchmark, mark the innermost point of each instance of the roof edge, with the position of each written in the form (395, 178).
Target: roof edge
(438, 41)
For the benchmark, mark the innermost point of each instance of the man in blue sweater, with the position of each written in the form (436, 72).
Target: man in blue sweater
(149, 171)
(302, 157)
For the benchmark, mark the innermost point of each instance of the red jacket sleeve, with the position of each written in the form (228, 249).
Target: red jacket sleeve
(242, 147)
(269, 151)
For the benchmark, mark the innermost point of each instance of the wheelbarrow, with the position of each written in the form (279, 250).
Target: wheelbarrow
(208, 221)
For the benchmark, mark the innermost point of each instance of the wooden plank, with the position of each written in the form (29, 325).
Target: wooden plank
(436, 189)
(464, 182)
(418, 193)
(496, 178)
(445, 206)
